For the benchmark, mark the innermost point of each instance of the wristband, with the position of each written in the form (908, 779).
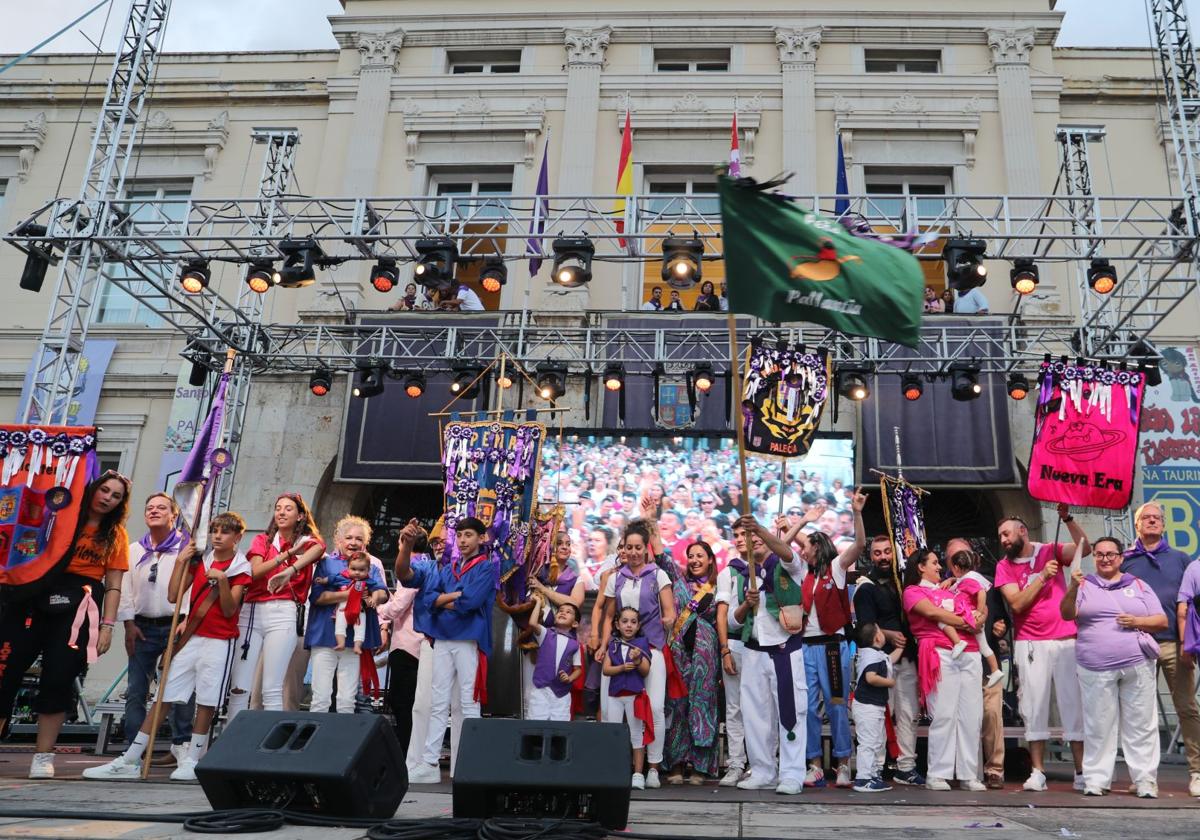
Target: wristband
(1068, 519)
(104, 622)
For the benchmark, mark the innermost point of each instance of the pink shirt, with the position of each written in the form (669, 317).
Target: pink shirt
(398, 610)
(1042, 621)
(925, 628)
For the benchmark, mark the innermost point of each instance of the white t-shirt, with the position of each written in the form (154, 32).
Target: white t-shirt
(649, 306)
(971, 302)
(812, 627)
(767, 629)
(631, 592)
(470, 300)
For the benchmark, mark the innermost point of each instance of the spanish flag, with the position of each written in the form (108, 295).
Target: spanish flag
(624, 176)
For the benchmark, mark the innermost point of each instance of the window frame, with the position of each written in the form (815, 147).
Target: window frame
(900, 57)
(904, 178)
(692, 60)
(486, 60)
(689, 179)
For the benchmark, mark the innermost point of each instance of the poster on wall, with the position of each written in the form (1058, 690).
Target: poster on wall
(1170, 446)
(85, 396)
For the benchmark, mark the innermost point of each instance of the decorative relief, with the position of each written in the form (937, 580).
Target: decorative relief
(1010, 46)
(474, 105)
(798, 46)
(972, 105)
(907, 104)
(625, 103)
(220, 122)
(842, 105)
(586, 46)
(689, 103)
(159, 121)
(537, 106)
(37, 123)
(410, 108)
(379, 52)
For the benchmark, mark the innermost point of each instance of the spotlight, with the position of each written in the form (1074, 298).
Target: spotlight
(702, 376)
(573, 261)
(260, 277)
(320, 382)
(384, 276)
(911, 387)
(300, 258)
(194, 276)
(464, 375)
(964, 381)
(614, 377)
(1101, 276)
(504, 380)
(369, 380)
(681, 267)
(964, 263)
(436, 259)
(1148, 364)
(852, 383)
(36, 262)
(1024, 276)
(494, 274)
(414, 384)
(1018, 386)
(199, 375)
(551, 381)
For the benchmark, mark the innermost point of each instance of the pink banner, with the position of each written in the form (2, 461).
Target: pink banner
(1085, 435)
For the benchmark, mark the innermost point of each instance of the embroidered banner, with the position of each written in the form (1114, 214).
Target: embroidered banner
(783, 395)
(903, 516)
(45, 470)
(1085, 435)
(490, 469)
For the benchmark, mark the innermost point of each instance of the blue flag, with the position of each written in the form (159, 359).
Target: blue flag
(541, 207)
(841, 205)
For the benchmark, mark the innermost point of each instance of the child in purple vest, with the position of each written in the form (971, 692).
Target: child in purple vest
(558, 663)
(626, 664)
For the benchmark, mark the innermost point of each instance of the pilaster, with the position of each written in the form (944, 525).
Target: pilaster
(798, 58)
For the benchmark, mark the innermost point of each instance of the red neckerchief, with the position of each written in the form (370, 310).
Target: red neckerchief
(458, 572)
(354, 599)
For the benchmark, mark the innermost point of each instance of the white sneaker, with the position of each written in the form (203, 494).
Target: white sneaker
(973, 785)
(1092, 791)
(732, 776)
(843, 776)
(652, 781)
(815, 777)
(789, 787)
(1036, 781)
(958, 649)
(753, 782)
(638, 782)
(995, 678)
(425, 774)
(1147, 790)
(1079, 783)
(180, 751)
(118, 768)
(1194, 785)
(42, 766)
(185, 772)
(934, 783)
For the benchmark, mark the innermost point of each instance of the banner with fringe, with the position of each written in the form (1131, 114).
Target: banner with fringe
(784, 392)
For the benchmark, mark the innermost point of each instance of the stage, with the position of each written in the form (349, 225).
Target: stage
(673, 810)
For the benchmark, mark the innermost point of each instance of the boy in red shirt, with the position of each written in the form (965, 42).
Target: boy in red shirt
(203, 648)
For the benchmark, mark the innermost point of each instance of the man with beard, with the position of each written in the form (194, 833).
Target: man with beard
(1030, 576)
(877, 600)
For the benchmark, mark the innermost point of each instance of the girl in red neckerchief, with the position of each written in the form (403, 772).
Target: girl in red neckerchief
(272, 619)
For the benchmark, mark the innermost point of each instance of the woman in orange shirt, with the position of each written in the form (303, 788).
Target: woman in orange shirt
(60, 622)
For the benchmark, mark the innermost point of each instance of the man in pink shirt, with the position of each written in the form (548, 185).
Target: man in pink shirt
(1030, 576)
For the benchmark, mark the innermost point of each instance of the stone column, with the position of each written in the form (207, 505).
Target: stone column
(798, 56)
(1010, 56)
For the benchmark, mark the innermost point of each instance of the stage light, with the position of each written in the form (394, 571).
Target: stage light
(504, 380)
(614, 377)
(1024, 276)
(911, 387)
(36, 261)
(194, 276)
(682, 262)
(1018, 386)
(494, 274)
(964, 381)
(320, 382)
(436, 259)
(702, 377)
(368, 381)
(300, 259)
(551, 381)
(1148, 355)
(573, 261)
(964, 263)
(1101, 276)
(852, 384)
(464, 375)
(384, 276)
(414, 384)
(198, 376)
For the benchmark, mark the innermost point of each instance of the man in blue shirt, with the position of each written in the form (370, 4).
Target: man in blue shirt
(1161, 567)
(456, 613)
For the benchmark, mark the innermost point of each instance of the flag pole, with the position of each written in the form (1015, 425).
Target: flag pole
(736, 397)
(184, 582)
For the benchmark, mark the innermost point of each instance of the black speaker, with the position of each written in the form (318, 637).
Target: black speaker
(341, 765)
(537, 768)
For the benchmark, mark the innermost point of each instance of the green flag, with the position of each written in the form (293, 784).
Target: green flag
(784, 263)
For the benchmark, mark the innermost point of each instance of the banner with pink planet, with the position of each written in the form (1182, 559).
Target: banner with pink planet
(1085, 435)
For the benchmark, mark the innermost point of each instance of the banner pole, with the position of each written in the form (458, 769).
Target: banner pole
(736, 397)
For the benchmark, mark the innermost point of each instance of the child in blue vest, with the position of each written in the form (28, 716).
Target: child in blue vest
(558, 663)
(626, 664)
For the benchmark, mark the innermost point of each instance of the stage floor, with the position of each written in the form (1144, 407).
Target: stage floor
(672, 810)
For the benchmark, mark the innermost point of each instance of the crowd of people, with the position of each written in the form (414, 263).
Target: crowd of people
(732, 674)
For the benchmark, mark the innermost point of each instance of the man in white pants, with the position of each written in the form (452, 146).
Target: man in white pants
(1030, 576)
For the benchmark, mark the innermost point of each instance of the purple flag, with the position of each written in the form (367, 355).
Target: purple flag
(541, 207)
(198, 465)
(841, 205)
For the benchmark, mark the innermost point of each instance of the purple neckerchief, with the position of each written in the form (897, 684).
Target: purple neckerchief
(1139, 548)
(1124, 580)
(767, 571)
(649, 605)
(564, 584)
(545, 672)
(167, 546)
(626, 682)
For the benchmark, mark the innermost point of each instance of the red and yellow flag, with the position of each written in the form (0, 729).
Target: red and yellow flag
(624, 176)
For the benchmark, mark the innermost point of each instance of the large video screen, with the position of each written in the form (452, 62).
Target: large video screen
(600, 478)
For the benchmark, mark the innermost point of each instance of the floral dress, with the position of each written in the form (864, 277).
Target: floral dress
(692, 720)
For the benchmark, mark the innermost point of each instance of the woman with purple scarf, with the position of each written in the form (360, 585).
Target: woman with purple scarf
(692, 734)
(1116, 615)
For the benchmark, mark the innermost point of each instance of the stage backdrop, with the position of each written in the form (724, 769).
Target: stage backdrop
(1170, 446)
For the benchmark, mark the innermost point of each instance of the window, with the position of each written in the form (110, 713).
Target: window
(109, 460)
(882, 181)
(117, 306)
(483, 61)
(701, 190)
(469, 193)
(692, 60)
(903, 61)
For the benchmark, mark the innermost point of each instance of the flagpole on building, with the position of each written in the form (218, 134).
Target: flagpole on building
(185, 581)
(736, 396)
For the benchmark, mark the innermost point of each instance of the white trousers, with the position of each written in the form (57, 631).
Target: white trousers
(454, 666)
(872, 738)
(956, 706)
(420, 713)
(1126, 699)
(735, 731)
(656, 688)
(617, 709)
(1043, 664)
(270, 629)
(544, 704)
(325, 663)
(906, 707)
(760, 714)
